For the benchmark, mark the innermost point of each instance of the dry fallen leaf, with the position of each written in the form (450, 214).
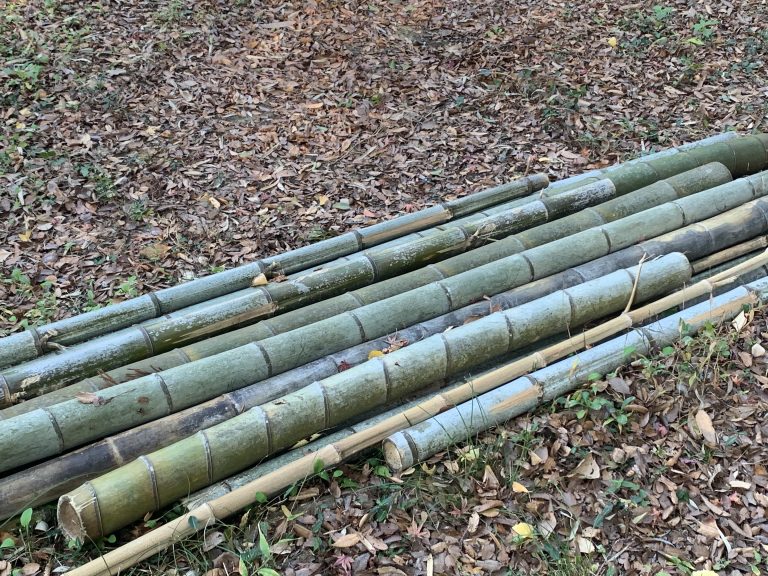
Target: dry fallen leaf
(704, 422)
(585, 545)
(619, 385)
(519, 488)
(474, 522)
(30, 569)
(587, 468)
(260, 280)
(523, 529)
(347, 540)
(739, 322)
(92, 398)
(212, 539)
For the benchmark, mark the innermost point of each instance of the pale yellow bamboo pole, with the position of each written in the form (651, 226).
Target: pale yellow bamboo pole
(729, 254)
(159, 539)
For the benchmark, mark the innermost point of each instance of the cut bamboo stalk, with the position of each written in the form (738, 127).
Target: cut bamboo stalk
(35, 342)
(585, 367)
(417, 443)
(206, 515)
(225, 486)
(163, 334)
(51, 372)
(46, 432)
(50, 479)
(740, 154)
(115, 499)
(504, 300)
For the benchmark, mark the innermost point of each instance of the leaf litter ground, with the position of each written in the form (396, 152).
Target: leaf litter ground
(147, 143)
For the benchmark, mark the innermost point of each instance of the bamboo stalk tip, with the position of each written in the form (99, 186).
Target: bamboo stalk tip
(69, 520)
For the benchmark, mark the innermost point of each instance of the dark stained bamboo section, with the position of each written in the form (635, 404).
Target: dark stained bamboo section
(53, 371)
(32, 343)
(152, 481)
(49, 431)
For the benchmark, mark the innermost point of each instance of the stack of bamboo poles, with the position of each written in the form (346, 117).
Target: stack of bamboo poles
(416, 332)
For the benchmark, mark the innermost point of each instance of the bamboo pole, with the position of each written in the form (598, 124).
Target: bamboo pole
(373, 265)
(730, 254)
(35, 342)
(52, 372)
(206, 515)
(49, 431)
(503, 300)
(154, 480)
(741, 154)
(48, 480)
(403, 449)
(52, 478)
(407, 447)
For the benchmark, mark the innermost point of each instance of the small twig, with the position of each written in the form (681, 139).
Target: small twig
(634, 286)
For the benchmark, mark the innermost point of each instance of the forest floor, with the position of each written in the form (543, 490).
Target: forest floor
(145, 143)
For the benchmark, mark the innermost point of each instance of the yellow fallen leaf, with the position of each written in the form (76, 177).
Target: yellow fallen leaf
(519, 488)
(523, 529)
(375, 353)
(704, 422)
(704, 573)
(260, 280)
(612, 42)
(347, 540)
(24, 237)
(322, 199)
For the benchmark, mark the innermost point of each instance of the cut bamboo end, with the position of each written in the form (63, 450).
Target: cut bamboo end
(72, 512)
(397, 453)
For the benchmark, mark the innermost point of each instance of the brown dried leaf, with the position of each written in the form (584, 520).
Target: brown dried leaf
(587, 468)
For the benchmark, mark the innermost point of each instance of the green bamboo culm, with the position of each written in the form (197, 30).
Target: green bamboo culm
(115, 499)
(54, 371)
(408, 447)
(159, 335)
(49, 431)
(35, 342)
(48, 480)
(740, 154)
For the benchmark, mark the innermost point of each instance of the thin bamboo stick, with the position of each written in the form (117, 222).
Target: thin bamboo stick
(729, 254)
(204, 516)
(51, 372)
(50, 431)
